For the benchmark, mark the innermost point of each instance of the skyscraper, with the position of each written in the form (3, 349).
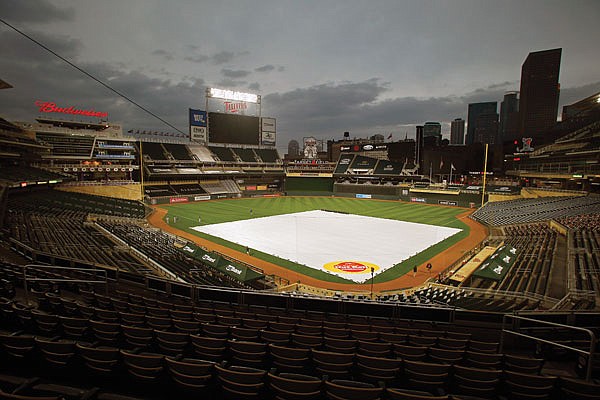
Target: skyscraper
(476, 111)
(538, 106)
(432, 130)
(509, 117)
(293, 148)
(457, 131)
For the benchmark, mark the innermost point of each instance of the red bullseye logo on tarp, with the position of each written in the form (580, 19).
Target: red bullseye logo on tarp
(350, 267)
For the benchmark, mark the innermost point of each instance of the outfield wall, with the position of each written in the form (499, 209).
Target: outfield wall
(308, 186)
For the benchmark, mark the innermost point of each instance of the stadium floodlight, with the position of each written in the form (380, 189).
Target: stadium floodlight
(232, 95)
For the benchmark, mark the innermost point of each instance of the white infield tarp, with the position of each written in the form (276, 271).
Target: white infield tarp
(320, 238)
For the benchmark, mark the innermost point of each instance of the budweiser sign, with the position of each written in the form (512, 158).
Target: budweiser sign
(234, 107)
(49, 107)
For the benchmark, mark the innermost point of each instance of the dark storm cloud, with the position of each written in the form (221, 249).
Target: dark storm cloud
(265, 68)
(231, 83)
(200, 58)
(222, 57)
(167, 55)
(230, 73)
(22, 50)
(254, 86)
(574, 94)
(36, 75)
(38, 11)
(503, 85)
(326, 101)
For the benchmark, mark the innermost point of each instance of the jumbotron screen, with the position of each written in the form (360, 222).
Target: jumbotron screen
(235, 129)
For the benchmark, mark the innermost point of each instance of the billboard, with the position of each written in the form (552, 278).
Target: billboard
(268, 138)
(198, 126)
(312, 147)
(197, 117)
(234, 129)
(364, 147)
(198, 134)
(268, 129)
(268, 124)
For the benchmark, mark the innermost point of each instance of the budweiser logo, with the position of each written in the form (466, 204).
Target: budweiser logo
(234, 107)
(49, 107)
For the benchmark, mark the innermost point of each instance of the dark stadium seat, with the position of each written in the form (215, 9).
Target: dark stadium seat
(378, 369)
(406, 394)
(58, 353)
(575, 389)
(333, 365)
(99, 359)
(190, 373)
(410, 352)
(241, 382)
(529, 386)
(475, 381)
(288, 386)
(208, 348)
(289, 359)
(143, 366)
(138, 336)
(339, 389)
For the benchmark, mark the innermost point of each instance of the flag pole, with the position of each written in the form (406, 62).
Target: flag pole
(484, 174)
(430, 168)
(450, 180)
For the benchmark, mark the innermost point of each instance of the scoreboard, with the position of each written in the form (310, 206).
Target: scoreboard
(233, 128)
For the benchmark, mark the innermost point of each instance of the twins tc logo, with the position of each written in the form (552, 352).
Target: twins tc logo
(234, 107)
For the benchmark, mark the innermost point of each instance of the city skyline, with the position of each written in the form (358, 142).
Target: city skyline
(388, 67)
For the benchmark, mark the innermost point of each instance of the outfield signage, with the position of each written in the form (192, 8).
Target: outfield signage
(447, 203)
(364, 147)
(363, 196)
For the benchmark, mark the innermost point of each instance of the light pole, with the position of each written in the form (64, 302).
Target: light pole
(372, 276)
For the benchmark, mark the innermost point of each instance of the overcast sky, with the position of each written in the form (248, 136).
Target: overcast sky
(322, 67)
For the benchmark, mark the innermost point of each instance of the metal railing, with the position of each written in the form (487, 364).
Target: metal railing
(515, 324)
(102, 272)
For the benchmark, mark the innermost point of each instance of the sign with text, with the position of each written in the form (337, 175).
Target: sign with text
(50, 107)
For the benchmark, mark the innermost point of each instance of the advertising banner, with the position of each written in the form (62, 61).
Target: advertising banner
(498, 264)
(198, 134)
(268, 124)
(197, 117)
(268, 138)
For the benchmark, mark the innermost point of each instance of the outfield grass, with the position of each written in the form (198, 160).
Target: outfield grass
(218, 211)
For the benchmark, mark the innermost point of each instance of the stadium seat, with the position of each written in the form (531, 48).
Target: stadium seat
(288, 386)
(190, 373)
(339, 389)
(241, 382)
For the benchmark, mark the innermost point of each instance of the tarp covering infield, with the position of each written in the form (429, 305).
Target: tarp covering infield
(231, 268)
(350, 246)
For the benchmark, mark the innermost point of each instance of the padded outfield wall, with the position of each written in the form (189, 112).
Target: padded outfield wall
(312, 186)
(308, 186)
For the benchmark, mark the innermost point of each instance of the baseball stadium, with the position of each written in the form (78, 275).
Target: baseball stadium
(145, 265)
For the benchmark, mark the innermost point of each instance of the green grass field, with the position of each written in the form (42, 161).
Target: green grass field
(218, 211)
